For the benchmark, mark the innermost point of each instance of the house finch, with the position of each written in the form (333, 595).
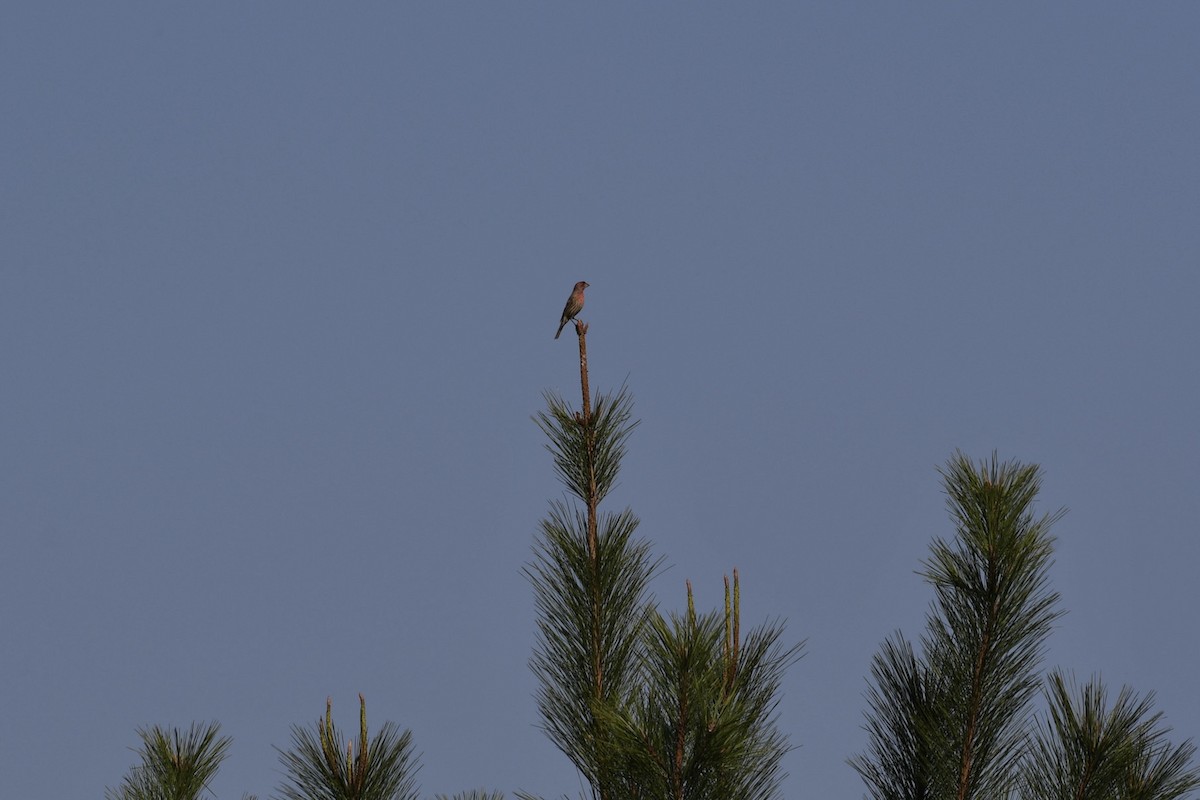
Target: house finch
(574, 305)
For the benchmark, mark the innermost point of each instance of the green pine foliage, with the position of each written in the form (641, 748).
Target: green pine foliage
(175, 764)
(590, 619)
(954, 721)
(644, 705)
(902, 697)
(683, 706)
(590, 587)
(951, 722)
(701, 720)
(588, 450)
(1083, 748)
(322, 766)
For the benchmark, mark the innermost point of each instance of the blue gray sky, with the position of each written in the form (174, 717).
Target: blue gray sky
(278, 288)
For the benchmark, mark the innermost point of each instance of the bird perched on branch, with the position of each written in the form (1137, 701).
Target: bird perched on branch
(573, 307)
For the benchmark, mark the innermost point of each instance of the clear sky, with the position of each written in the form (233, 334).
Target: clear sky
(278, 286)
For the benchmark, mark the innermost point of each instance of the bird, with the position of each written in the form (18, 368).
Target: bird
(574, 306)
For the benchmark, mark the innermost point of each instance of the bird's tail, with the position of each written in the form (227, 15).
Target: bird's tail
(561, 325)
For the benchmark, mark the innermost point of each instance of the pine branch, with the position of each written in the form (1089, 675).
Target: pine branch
(952, 722)
(321, 766)
(1086, 749)
(689, 730)
(176, 765)
(572, 637)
